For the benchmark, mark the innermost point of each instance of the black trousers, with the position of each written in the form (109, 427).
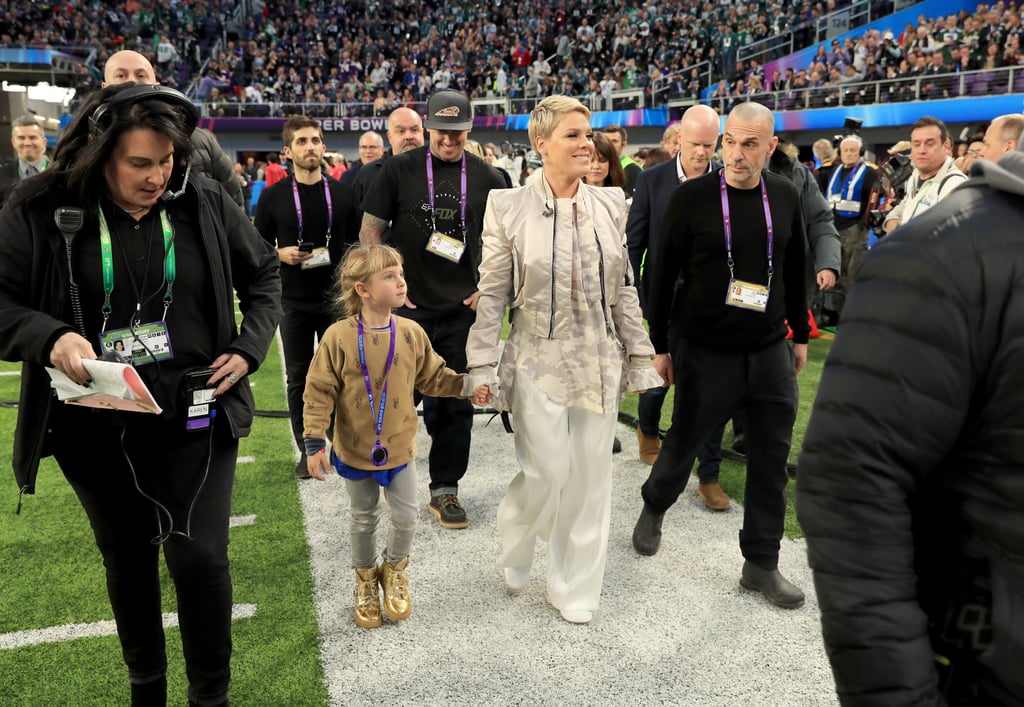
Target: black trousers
(300, 330)
(449, 421)
(169, 466)
(709, 386)
(710, 453)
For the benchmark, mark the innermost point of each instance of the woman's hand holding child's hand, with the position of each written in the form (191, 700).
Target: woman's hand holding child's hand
(482, 395)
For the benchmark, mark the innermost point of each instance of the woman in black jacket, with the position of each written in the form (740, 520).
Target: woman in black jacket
(116, 242)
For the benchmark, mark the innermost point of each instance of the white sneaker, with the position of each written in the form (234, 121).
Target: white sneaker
(577, 616)
(516, 578)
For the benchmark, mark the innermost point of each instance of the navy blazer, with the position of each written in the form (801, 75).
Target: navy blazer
(654, 187)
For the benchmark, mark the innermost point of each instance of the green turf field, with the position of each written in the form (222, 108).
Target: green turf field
(52, 576)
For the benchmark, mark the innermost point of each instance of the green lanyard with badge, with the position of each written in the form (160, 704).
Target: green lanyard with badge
(138, 343)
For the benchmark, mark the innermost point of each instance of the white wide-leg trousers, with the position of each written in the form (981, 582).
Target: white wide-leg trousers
(562, 494)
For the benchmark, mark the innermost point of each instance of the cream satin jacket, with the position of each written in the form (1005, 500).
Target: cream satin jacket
(528, 266)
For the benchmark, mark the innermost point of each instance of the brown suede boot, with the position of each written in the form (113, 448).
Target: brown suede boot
(397, 602)
(367, 598)
(713, 496)
(649, 447)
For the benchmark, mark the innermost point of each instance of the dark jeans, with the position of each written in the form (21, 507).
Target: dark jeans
(300, 330)
(449, 421)
(709, 386)
(170, 465)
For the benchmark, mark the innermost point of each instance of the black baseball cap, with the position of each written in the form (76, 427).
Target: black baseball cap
(449, 110)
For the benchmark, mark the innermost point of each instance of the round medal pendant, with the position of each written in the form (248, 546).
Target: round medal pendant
(378, 455)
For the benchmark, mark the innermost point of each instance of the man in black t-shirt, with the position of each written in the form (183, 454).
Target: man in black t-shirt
(434, 199)
(735, 239)
(311, 239)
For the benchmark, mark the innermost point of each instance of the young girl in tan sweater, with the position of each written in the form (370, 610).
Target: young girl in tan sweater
(364, 373)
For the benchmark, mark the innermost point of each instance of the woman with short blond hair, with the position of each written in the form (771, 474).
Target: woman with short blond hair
(554, 252)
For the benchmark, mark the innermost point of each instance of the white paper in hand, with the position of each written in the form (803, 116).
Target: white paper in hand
(115, 386)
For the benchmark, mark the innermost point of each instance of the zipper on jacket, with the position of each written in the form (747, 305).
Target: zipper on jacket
(600, 276)
(554, 234)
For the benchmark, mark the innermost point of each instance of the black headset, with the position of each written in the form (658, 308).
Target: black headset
(99, 121)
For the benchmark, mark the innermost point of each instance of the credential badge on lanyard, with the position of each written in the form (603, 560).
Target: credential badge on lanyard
(438, 243)
(742, 294)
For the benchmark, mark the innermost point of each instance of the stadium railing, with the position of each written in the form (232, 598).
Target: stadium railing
(989, 82)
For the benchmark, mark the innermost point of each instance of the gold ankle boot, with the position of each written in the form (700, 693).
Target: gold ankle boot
(397, 602)
(367, 598)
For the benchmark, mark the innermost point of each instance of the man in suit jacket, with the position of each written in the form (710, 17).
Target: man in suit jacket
(697, 139)
(30, 146)
(371, 149)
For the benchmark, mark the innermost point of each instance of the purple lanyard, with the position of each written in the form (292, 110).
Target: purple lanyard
(463, 191)
(366, 375)
(728, 228)
(330, 208)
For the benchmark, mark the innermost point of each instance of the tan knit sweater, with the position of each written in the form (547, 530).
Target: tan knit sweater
(335, 383)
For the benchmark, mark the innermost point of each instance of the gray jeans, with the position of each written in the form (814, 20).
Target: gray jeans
(365, 497)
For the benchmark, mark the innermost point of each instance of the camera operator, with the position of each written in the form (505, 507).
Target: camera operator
(934, 176)
(511, 159)
(849, 193)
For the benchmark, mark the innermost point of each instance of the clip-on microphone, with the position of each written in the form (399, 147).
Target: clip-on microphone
(547, 209)
(172, 195)
(70, 220)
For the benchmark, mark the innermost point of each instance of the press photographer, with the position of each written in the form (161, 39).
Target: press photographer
(851, 194)
(934, 175)
(891, 186)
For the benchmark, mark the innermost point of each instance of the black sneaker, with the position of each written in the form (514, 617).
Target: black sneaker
(448, 511)
(616, 445)
(301, 470)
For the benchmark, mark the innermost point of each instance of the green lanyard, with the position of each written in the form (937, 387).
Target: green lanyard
(919, 197)
(107, 261)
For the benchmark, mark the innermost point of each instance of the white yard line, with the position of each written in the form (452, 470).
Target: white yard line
(70, 632)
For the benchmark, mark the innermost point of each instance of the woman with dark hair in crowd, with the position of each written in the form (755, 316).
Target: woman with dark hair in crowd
(656, 156)
(605, 167)
(117, 241)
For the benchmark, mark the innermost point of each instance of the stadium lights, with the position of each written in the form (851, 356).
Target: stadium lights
(50, 94)
(42, 92)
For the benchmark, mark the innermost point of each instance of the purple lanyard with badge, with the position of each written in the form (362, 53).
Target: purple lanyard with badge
(298, 210)
(379, 453)
(742, 294)
(439, 244)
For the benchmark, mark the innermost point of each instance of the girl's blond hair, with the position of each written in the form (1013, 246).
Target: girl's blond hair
(359, 263)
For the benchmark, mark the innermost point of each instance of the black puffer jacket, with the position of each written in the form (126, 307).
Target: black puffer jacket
(911, 483)
(209, 159)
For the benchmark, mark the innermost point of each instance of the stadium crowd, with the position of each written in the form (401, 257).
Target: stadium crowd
(943, 57)
(286, 56)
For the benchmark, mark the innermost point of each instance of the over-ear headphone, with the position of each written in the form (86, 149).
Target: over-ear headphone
(99, 121)
(861, 149)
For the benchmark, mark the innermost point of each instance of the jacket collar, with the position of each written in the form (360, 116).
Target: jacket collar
(1005, 175)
